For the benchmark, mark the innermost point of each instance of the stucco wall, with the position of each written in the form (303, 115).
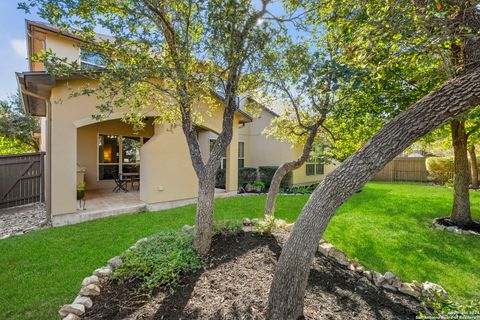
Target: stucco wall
(74, 140)
(260, 150)
(87, 147)
(166, 169)
(63, 47)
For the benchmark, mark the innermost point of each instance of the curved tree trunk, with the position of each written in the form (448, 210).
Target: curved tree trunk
(286, 168)
(461, 198)
(474, 166)
(288, 286)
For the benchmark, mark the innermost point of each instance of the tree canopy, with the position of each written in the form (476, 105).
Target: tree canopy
(16, 127)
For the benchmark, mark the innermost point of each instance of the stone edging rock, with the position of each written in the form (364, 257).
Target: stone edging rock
(91, 287)
(454, 229)
(388, 280)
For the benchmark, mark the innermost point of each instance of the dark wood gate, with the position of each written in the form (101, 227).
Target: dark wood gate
(22, 179)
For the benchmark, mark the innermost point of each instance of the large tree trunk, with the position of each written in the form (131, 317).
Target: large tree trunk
(204, 214)
(206, 174)
(474, 166)
(291, 275)
(286, 168)
(461, 199)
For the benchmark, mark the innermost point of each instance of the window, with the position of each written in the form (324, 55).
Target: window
(241, 154)
(108, 157)
(314, 166)
(118, 154)
(92, 60)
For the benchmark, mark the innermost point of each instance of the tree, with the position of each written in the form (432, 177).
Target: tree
(454, 97)
(473, 136)
(16, 126)
(168, 55)
(307, 82)
(288, 286)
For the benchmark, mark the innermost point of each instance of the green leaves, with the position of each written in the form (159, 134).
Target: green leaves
(160, 261)
(16, 127)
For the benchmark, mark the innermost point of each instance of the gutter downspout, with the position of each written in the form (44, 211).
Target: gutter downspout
(48, 169)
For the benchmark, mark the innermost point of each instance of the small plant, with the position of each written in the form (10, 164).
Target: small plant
(268, 224)
(258, 186)
(227, 226)
(160, 261)
(449, 309)
(81, 191)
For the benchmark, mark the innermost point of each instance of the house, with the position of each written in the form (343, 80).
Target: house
(80, 148)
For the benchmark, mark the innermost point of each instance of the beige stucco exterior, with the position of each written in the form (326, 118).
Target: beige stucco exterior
(166, 169)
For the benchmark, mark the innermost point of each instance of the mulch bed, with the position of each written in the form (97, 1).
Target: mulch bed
(235, 284)
(446, 222)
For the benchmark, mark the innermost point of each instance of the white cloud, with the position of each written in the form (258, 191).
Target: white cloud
(20, 47)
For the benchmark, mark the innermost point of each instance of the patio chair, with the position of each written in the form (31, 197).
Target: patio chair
(134, 181)
(120, 184)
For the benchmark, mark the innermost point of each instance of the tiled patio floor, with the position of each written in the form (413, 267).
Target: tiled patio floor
(106, 200)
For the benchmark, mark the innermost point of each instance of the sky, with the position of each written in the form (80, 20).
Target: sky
(13, 50)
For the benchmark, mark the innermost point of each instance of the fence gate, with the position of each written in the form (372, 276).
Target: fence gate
(22, 179)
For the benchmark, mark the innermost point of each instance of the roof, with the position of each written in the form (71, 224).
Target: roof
(35, 86)
(53, 29)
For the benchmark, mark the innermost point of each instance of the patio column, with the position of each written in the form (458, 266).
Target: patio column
(232, 160)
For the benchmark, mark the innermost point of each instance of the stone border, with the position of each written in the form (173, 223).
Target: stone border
(453, 229)
(91, 287)
(388, 280)
(21, 233)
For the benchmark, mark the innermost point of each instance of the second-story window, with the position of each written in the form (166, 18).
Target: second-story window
(89, 59)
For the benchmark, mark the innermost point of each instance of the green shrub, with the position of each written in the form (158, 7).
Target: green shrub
(246, 175)
(221, 179)
(160, 261)
(450, 309)
(440, 169)
(266, 174)
(268, 224)
(227, 226)
(258, 185)
(308, 189)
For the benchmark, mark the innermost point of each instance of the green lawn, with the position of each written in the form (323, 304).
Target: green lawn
(386, 227)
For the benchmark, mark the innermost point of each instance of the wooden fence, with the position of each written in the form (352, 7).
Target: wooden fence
(22, 179)
(404, 169)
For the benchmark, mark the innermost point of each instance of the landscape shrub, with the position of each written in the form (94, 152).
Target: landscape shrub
(440, 169)
(307, 189)
(266, 173)
(451, 309)
(268, 224)
(227, 226)
(258, 186)
(246, 175)
(221, 179)
(159, 261)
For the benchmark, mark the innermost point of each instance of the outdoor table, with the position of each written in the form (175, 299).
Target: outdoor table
(133, 176)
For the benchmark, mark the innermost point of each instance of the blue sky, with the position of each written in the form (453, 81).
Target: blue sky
(13, 52)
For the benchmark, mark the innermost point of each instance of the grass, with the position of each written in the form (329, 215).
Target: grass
(386, 227)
